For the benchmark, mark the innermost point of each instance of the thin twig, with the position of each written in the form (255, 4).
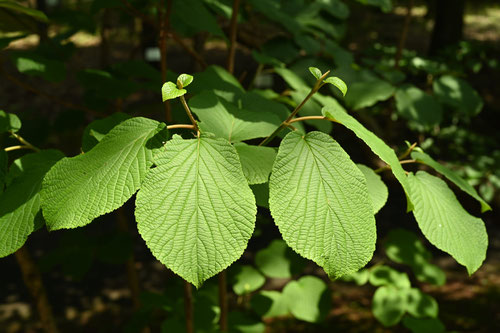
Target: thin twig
(388, 167)
(233, 32)
(180, 126)
(319, 83)
(223, 301)
(190, 115)
(408, 151)
(24, 141)
(33, 281)
(404, 34)
(11, 148)
(187, 48)
(188, 307)
(313, 118)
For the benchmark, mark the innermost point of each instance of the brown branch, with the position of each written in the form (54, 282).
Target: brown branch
(188, 307)
(404, 34)
(33, 281)
(190, 115)
(233, 31)
(187, 48)
(55, 99)
(223, 301)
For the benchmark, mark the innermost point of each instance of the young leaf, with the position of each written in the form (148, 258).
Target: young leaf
(79, 189)
(225, 120)
(421, 305)
(257, 162)
(337, 82)
(306, 298)
(445, 223)
(320, 202)
(315, 72)
(389, 305)
(170, 91)
(20, 208)
(195, 210)
(9, 122)
(184, 80)
(374, 142)
(452, 176)
(376, 188)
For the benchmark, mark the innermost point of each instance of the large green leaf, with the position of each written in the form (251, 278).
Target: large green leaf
(96, 130)
(307, 298)
(34, 64)
(79, 189)
(191, 17)
(452, 176)
(423, 325)
(269, 303)
(195, 210)
(16, 17)
(387, 276)
(458, 94)
(421, 305)
(379, 147)
(219, 81)
(225, 120)
(257, 162)
(376, 187)
(445, 223)
(367, 93)
(3, 168)
(320, 202)
(20, 203)
(417, 106)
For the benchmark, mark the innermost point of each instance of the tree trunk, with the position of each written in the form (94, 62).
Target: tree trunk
(448, 24)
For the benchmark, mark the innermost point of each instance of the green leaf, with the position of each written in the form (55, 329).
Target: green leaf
(96, 130)
(191, 16)
(225, 120)
(427, 325)
(384, 5)
(240, 322)
(307, 298)
(170, 91)
(9, 122)
(404, 247)
(219, 81)
(389, 305)
(261, 192)
(278, 260)
(257, 162)
(421, 305)
(269, 304)
(458, 94)
(184, 80)
(315, 72)
(3, 168)
(387, 276)
(338, 83)
(417, 106)
(376, 187)
(378, 146)
(33, 64)
(367, 93)
(79, 189)
(445, 223)
(320, 202)
(15, 6)
(195, 210)
(360, 277)
(452, 176)
(246, 279)
(20, 209)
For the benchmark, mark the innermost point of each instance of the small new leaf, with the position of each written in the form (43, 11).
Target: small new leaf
(337, 82)
(315, 72)
(170, 91)
(184, 80)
